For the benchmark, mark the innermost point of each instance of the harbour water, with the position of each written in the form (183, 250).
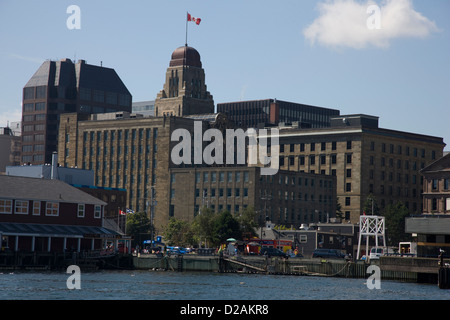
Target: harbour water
(166, 285)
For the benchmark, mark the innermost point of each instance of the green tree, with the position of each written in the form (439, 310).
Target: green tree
(178, 232)
(395, 215)
(225, 226)
(203, 226)
(247, 221)
(339, 213)
(370, 206)
(138, 226)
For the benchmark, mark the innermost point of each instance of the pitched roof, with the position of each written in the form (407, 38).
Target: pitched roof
(441, 164)
(13, 187)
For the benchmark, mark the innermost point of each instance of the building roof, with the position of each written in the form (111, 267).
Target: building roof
(185, 56)
(55, 230)
(66, 73)
(12, 187)
(441, 164)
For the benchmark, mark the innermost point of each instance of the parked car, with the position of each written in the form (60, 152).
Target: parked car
(376, 252)
(328, 253)
(273, 252)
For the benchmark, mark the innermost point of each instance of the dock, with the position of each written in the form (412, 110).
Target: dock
(419, 270)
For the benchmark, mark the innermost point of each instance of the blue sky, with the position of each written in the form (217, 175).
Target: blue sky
(314, 52)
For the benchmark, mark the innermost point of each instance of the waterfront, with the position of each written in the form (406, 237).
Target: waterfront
(167, 285)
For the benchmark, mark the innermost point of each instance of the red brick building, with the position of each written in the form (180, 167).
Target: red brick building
(41, 215)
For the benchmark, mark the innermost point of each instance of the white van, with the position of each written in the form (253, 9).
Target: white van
(376, 252)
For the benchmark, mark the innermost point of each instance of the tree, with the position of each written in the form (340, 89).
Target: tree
(138, 225)
(370, 206)
(247, 221)
(225, 226)
(339, 213)
(395, 215)
(203, 226)
(178, 232)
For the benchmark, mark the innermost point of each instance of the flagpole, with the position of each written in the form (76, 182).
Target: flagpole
(186, 27)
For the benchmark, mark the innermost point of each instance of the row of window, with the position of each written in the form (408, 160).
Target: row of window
(298, 181)
(435, 184)
(8, 206)
(312, 159)
(207, 176)
(120, 134)
(415, 152)
(221, 191)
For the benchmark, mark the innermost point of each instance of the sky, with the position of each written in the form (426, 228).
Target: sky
(387, 58)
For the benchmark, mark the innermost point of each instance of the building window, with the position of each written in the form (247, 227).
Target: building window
(52, 209)
(36, 208)
(21, 207)
(349, 145)
(80, 212)
(347, 201)
(97, 212)
(5, 206)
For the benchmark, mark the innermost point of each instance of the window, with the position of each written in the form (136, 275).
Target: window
(349, 145)
(347, 201)
(5, 206)
(98, 212)
(52, 209)
(21, 207)
(80, 212)
(36, 208)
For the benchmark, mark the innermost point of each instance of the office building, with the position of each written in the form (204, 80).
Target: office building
(366, 160)
(256, 113)
(63, 86)
(287, 198)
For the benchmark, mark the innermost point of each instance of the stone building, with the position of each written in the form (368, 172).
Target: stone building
(288, 198)
(432, 228)
(184, 91)
(365, 159)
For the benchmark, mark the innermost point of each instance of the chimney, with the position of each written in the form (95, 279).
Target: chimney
(54, 172)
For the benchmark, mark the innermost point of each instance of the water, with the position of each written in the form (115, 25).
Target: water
(160, 285)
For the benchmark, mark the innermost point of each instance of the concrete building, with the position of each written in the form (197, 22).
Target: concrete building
(254, 113)
(60, 87)
(9, 148)
(365, 159)
(432, 228)
(286, 198)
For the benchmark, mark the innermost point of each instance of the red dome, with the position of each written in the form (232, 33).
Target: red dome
(186, 56)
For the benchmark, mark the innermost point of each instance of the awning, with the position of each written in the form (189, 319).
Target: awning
(55, 230)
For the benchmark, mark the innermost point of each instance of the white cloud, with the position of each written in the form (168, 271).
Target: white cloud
(343, 23)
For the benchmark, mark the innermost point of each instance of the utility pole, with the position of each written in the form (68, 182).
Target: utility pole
(265, 197)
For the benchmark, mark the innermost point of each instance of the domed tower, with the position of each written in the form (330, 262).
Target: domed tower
(184, 92)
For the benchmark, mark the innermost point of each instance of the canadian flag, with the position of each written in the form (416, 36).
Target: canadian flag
(191, 18)
(122, 213)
